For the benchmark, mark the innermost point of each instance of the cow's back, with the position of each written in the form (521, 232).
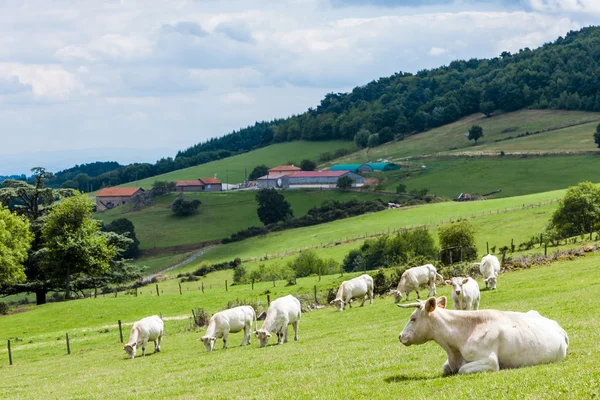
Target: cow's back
(287, 307)
(151, 327)
(490, 266)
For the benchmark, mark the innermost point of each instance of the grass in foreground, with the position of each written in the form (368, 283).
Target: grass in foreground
(354, 354)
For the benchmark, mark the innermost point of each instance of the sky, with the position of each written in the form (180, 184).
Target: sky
(135, 80)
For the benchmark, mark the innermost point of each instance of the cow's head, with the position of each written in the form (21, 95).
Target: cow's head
(397, 295)
(457, 284)
(491, 281)
(339, 303)
(263, 337)
(130, 349)
(418, 330)
(209, 342)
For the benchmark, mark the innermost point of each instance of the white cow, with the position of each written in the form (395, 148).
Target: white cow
(281, 313)
(415, 278)
(149, 328)
(229, 321)
(485, 340)
(361, 286)
(490, 268)
(465, 293)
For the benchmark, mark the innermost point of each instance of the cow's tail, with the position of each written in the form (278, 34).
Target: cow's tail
(440, 277)
(255, 322)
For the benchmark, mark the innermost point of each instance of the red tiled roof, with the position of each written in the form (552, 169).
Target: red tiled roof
(117, 192)
(315, 174)
(285, 168)
(274, 176)
(192, 182)
(211, 181)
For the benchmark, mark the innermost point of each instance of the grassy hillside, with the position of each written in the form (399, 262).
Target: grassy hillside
(236, 167)
(97, 365)
(452, 137)
(219, 216)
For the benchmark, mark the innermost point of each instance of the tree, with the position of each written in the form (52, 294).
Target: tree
(125, 227)
(475, 133)
(239, 274)
(74, 243)
(163, 187)
(401, 188)
(597, 136)
(308, 165)
(487, 107)
(362, 138)
(184, 208)
(15, 241)
(578, 212)
(373, 140)
(345, 182)
(258, 171)
(457, 239)
(272, 206)
(34, 202)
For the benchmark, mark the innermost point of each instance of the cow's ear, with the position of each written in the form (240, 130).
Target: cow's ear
(430, 304)
(441, 302)
(465, 281)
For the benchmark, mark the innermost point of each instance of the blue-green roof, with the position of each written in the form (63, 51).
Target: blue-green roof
(344, 167)
(387, 166)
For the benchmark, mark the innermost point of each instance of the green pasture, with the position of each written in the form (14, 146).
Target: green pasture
(353, 354)
(220, 215)
(234, 168)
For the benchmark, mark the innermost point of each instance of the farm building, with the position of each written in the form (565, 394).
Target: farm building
(384, 166)
(322, 179)
(112, 197)
(199, 185)
(279, 181)
(352, 167)
(284, 170)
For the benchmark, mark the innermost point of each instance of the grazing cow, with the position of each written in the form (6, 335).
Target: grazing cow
(281, 313)
(490, 268)
(149, 328)
(229, 321)
(465, 293)
(415, 278)
(361, 286)
(485, 340)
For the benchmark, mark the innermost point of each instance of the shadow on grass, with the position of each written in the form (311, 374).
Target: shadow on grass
(408, 378)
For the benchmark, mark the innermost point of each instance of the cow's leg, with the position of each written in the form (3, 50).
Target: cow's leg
(371, 297)
(350, 302)
(157, 343)
(447, 370)
(418, 295)
(295, 325)
(279, 337)
(144, 344)
(364, 299)
(225, 336)
(489, 363)
(285, 332)
(476, 304)
(246, 339)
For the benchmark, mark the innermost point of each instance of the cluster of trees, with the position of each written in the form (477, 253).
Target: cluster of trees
(83, 177)
(458, 242)
(578, 213)
(272, 207)
(329, 210)
(184, 208)
(597, 136)
(65, 248)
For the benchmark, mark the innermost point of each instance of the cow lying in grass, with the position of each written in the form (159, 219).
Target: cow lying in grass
(485, 340)
(280, 314)
(361, 286)
(229, 321)
(414, 278)
(465, 293)
(146, 329)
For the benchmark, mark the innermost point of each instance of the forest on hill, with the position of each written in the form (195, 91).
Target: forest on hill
(564, 74)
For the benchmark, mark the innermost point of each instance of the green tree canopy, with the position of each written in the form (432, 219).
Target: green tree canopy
(15, 240)
(184, 208)
(258, 171)
(475, 133)
(578, 212)
(487, 107)
(345, 182)
(597, 136)
(272, 206)
(456, 239)
(308, 165)
(362, 138)
(125, 227)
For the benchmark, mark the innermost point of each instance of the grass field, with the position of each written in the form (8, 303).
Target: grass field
(354, 354)
(219, 216)
(234, 168)
(452, 137)
(515, 176)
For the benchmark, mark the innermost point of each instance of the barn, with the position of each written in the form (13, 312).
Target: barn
(199, 185)
(322, 179)
(278, 181)
(284, 170)
(109, 198)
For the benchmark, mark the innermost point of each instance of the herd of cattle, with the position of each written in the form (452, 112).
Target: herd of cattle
(475, 340)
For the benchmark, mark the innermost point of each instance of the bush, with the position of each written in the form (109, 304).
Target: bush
(578, 212)
(201, 317)
(183, 208)
(345, 182)
(4, 308)
(401, 188)
(456, 239)
(163, 187)
(380, 282)
(239, 274)
(258, 171)
(308, 165)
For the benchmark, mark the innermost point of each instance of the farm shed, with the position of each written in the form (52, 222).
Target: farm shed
(284, 170)
(385, 166)
(279, 181)
(352, 167)
(112, 197)
(322, 179)
(211, 184)
(199, 185)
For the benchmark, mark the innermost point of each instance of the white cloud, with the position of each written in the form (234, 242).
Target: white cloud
(577, 6)
(237, 98)
(46, 81)
(437, 51)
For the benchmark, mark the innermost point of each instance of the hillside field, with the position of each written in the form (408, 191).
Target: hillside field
(234, 168)
(363, 340)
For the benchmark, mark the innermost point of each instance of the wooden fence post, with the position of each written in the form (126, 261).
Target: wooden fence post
(68, 346)
(226, 285)
(268, 300)
(120, 331)
(116, 292)
(252, 283)
(202, 287)
(541, 236)
(461, 253)
(136, 292)
(194, 315)
(503, 255)
(545, 249)
(180, 288)
(316, 301)
(95, 292)
(157, 292)
(487, 245)
(9, 354)
(319, 274)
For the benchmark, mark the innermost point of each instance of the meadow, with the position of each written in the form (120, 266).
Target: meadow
(353, 354)
(235, 168)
